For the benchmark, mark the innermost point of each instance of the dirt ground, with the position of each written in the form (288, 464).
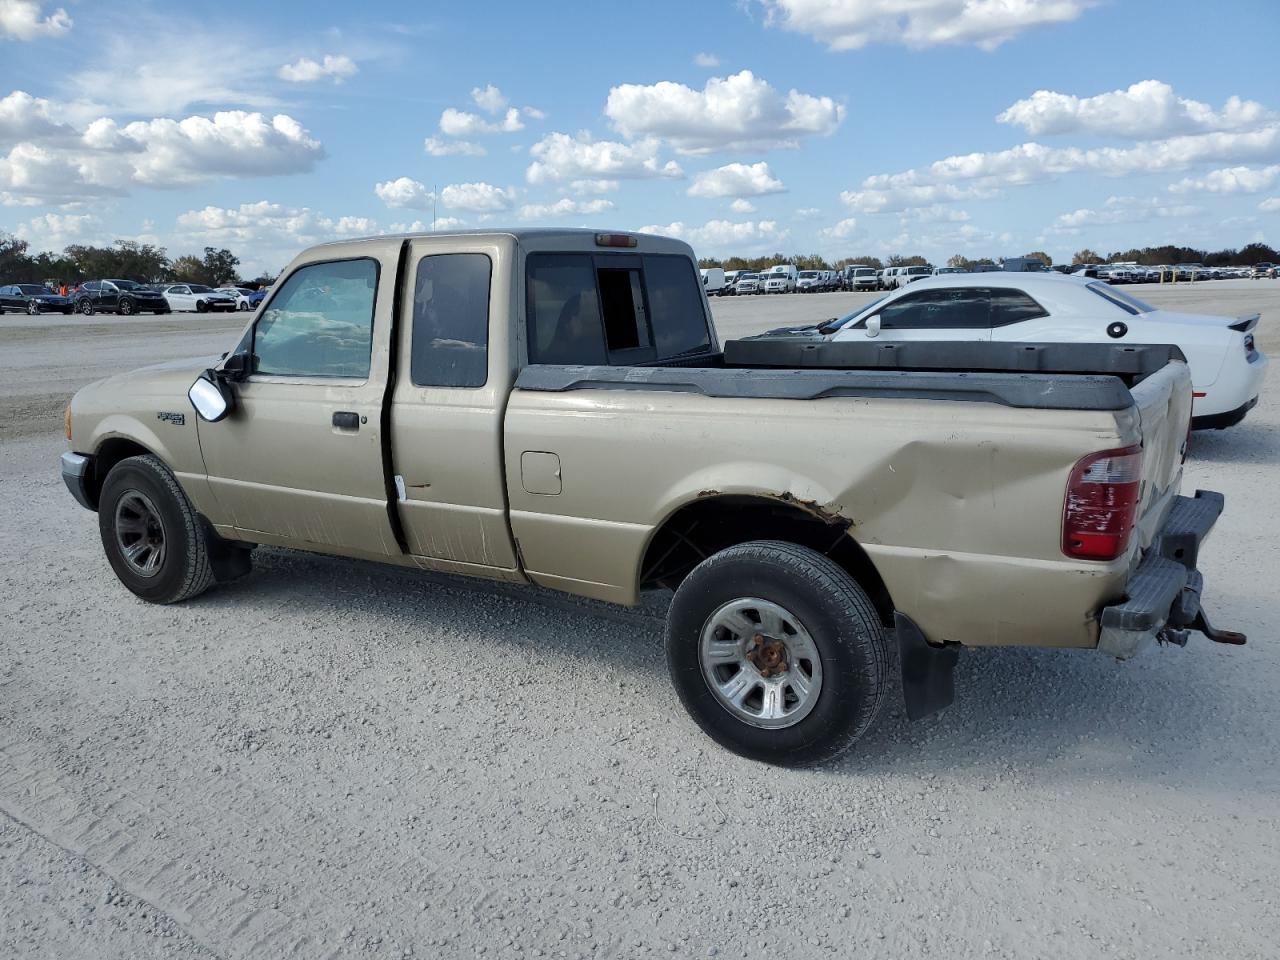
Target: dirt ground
(334, 759)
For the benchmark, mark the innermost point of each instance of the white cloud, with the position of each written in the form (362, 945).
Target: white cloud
(421, 226)
(24, 117)
(1230, 180)
(1270, 205)
(109, 158)
(742, 206)
(267, 235)
(982, 175)
(739, 112)
(595, 186)
(559, 156)
(477, 197)
(841, 230)
(460, 123)
(488, 98)
(53, 231)
(808, 213)
(724, 236)
(404, 192)
(452, 148)
(736, 180)
(1148, 109)
(851, 24)
(232, 143)
(706, 60)
(25, 20)
(1124, 210)
(305, 70)
(565, 207)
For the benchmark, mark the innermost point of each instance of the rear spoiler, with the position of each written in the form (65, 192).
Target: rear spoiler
(1245, 324)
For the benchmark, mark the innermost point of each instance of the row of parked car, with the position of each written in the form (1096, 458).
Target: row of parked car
(785, 278)
(128, 297)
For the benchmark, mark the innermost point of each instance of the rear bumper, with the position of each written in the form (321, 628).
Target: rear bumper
(1162, 596)
(76, 470)
(1220, 421)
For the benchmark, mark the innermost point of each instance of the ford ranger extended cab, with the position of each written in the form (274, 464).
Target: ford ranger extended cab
(554, 407)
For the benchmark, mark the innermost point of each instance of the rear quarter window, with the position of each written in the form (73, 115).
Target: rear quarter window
(1013, 306)
(613, 309)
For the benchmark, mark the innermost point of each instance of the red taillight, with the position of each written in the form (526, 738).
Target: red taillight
(615, 240)
(1102, 501)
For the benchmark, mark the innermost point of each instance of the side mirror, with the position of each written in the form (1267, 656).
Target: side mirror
(211, 396)
(873, 326)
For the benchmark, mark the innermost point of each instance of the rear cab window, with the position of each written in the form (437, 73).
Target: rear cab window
(618, 309)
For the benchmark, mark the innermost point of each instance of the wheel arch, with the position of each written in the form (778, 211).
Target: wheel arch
(709, 523)
(107, 454)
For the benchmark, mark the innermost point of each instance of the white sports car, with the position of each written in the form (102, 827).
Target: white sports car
(1226, 368)
(197, 297)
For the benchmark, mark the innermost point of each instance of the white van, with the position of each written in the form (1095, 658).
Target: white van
(712, 280)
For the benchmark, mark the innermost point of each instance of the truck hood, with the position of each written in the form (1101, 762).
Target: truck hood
(169, 379)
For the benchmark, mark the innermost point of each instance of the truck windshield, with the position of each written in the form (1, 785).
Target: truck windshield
(613, 308)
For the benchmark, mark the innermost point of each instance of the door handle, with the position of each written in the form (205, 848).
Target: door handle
(346, 420)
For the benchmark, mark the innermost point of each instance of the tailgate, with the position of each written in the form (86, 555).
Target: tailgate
(1164, 409)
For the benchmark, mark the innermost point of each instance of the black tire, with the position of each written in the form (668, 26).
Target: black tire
(86, 307)
(33, 308)
(242, 305)
(840, 619)
(201, 306)
(184, 569)
(127, 308)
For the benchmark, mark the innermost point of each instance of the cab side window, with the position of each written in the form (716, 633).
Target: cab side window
(450, 340)
(1013, 306)
(320, 323)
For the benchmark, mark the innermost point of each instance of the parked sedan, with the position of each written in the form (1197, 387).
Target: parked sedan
(245, 298)
(1227, 369)
(125, 297)
(198, 297)
(32, 298)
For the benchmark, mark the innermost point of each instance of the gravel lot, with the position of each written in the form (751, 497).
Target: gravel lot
(337, 759)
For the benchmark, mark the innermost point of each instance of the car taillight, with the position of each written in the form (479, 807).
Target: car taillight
(1248, 345)
(1101, 504)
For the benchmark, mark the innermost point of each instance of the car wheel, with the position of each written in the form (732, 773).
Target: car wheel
(126, 307)
(777, 653)
(33, 308)
(242, 305)
(86, 307)
(154, 539)
(201, 306)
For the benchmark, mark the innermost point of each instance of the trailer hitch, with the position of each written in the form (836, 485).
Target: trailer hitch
(1201, 623)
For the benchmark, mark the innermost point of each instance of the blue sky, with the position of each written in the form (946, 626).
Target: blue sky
(982, 127)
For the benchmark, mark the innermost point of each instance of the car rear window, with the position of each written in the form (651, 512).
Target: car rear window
(1130, 305)
(1013, 306)
(613, 309)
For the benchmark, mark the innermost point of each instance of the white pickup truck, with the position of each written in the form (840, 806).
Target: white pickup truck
(554, 407)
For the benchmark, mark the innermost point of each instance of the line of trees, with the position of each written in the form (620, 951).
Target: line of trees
(1148, 256)
(124, 259)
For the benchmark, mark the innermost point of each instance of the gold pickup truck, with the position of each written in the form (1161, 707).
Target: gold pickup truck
(554, 407)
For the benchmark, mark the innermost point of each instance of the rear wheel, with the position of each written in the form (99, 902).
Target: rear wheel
(201, 306)
(153, 538)
(777, 653)
(242, 305)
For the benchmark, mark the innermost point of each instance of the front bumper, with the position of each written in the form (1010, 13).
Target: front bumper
(1162, 597)
(76, 471)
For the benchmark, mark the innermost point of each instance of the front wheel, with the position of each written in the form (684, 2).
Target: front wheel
(33, 308)
(86, 307)
(777, 653)
(126, 307)
(242, 305)
(154, 539)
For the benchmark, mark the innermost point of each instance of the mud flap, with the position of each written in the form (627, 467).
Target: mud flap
(928, 684)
